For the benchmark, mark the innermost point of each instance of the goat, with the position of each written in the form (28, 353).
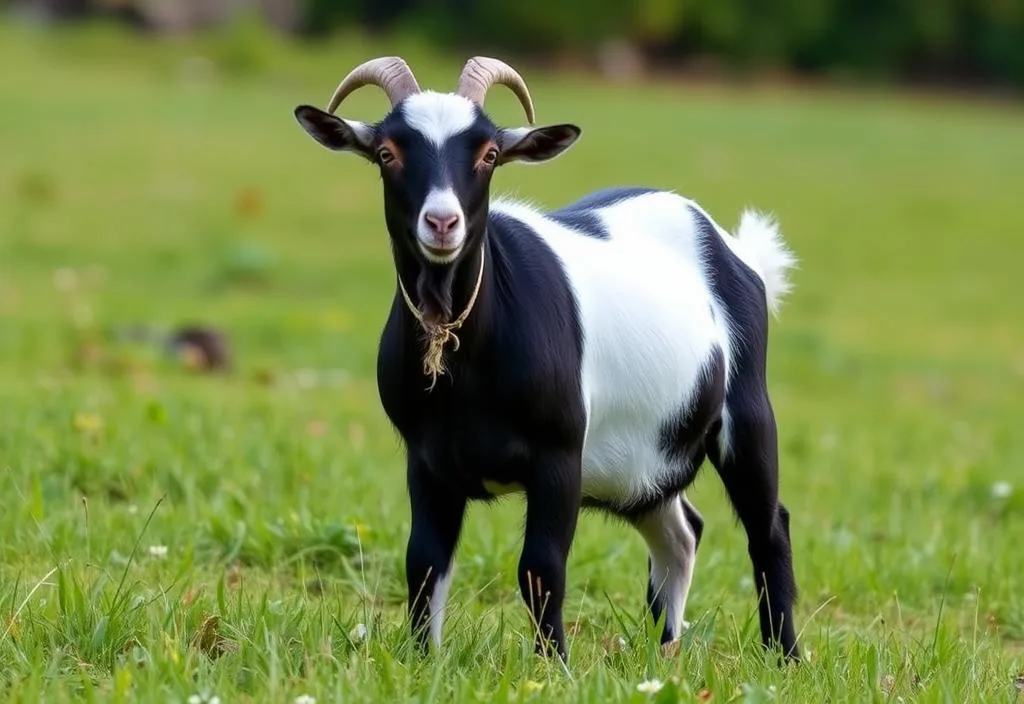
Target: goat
(592, 357)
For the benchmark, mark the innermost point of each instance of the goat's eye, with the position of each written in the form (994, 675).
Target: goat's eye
(385, 156)
(491, 157)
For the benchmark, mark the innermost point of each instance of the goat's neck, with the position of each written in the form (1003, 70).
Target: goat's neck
(443, 292)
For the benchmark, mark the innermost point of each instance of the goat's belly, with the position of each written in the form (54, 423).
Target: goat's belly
(623, 463)
(642, 388)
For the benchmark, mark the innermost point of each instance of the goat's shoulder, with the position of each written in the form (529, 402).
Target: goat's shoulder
(519, 354)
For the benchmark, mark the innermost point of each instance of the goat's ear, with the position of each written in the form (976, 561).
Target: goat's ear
(336, 133)
(536, 145)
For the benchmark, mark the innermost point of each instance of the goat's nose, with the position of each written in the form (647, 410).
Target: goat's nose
(441, 223)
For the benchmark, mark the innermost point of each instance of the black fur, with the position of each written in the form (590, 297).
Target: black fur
(580, 214)
(585, 222)
(604, 197)
(695, 520)
(509, 410)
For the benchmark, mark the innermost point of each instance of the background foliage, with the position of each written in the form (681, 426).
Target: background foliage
(962, 41)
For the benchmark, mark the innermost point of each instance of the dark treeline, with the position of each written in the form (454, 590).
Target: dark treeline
(950, 41)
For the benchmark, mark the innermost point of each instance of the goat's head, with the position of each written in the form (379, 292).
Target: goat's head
(436, 151)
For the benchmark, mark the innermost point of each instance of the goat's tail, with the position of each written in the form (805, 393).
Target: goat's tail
(763, 249)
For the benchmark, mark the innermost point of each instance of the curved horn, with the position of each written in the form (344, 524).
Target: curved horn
(391, 73)
(481, 72)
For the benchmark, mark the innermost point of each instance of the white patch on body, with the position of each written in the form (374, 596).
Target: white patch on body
(438, 116)
(673, 547)
(441, 201)
(645, 310)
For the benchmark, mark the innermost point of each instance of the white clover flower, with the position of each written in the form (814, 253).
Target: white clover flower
(1000, 490)
(305, 699)
(201, 698)
(358, 632)
(64, 279)
(650, 686)
(306, 378)
(159, 552)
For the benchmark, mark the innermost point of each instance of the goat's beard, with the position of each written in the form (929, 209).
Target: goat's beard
(434, 291)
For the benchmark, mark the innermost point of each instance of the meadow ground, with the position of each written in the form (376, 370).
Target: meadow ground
(169, 534)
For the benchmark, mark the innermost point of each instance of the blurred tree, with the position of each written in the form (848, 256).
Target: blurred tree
(948, 40)
(60, 9)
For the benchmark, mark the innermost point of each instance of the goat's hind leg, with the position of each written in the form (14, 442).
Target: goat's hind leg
(672, 532)
(745, 454)
(694, 518)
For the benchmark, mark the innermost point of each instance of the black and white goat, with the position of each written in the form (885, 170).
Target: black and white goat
(592, 356)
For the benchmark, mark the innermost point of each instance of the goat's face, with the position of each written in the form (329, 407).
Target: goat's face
(436, 153)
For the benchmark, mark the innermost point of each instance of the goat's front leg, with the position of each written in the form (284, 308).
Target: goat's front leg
(437, 512)
(552, 508)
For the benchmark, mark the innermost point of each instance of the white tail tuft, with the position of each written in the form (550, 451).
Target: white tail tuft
(762, 248)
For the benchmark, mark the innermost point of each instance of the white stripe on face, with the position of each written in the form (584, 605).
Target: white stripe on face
(438, 116)
(440, 225)
(441, 204)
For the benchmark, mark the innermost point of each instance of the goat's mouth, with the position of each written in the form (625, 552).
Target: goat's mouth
(440, 255)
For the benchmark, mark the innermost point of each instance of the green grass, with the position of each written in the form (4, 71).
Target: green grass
(897, 372)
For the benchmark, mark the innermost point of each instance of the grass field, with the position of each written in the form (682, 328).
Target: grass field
(168, 534)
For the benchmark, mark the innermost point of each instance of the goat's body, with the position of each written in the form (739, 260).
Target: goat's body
(656, 342)
(646, 346)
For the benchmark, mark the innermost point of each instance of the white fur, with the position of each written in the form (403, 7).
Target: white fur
(758, 243)
(673, 547)
(441, 201)
(437, 603)
(725, 434)
(515, 135)
(645, 310)
(438, 116)
(364, 132)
